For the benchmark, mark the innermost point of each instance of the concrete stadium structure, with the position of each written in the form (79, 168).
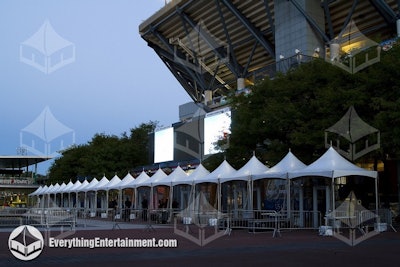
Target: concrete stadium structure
(215, 48)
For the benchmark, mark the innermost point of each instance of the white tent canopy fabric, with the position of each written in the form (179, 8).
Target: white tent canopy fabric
(37, 191)
(91, 185)
(73, 187)
(332, 165)
(252, 168)
(54, 189)
(100, 185)
(178, 176)
(112, 184)
(140, 180)
(199, 173)
(67, 187)
(280, 171)
(82, 186)
(224, 170)
(60, 189)
(126, 182)
(156, 179)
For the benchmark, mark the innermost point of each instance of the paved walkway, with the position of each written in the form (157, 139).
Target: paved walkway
(293, 248)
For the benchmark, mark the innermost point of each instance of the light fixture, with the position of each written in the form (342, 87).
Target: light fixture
(297, 51)
(281, 57)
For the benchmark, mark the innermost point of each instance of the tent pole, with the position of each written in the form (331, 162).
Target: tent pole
(219, 195)
(288, 197)
(376, 195)
(250, 188)
(333, 196)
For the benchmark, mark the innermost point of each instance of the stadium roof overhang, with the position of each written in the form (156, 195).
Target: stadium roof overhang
(19, 162)
(208, 45)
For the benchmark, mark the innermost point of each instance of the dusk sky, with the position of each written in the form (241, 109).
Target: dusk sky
(103, 78)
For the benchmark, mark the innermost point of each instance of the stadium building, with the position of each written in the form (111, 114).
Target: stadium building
(219, 48)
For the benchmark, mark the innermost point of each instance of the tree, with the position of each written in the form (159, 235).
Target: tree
(104, 155)
(293, 110)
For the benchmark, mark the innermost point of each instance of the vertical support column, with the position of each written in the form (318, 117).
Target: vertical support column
(240, 84)
(315, 206)
(208, 97)
(301, 206)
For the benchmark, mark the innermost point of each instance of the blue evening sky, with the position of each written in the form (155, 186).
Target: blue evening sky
(114, 83)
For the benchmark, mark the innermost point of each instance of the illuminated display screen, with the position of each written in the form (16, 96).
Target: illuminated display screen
(216, 127)
(164, 145)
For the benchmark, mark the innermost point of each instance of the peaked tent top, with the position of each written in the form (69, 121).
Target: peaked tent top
(178, 176)
(74, 187)
(68, 187)
(199, 173)
(128, 179)
(156, 179)
(224, 170)
(280, 171)
(60, 189)
(90, 186)
(140, 180)
(82, 186)
(331, 164)
(37, 191)
(54, 189)
(250, 169)
(112, 183)
(100, 185)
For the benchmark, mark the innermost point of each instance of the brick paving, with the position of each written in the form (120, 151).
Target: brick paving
(241, 248)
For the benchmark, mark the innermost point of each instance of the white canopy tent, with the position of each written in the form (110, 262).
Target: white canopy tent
(60, 189)
(252, 168)
(280, 171)
(332, 165)
(91, 185)
(37, 191)
(99, 187)
(126, 182)
(82, 186)
(141, 179)
(155, 180)
(175, 178)
(246, 173)
(81, 189)
(92, 199)
(110, 186)
(123, 184)
(223, 171)
(199, 173)
(72, 189)
(288, 164)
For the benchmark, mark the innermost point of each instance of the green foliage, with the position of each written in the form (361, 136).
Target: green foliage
(104, 155)
(293, 110)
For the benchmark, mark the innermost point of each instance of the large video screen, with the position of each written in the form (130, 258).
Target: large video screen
(216, 127)
(164, 145)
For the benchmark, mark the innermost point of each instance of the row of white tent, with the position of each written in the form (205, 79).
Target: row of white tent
(331, 165)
